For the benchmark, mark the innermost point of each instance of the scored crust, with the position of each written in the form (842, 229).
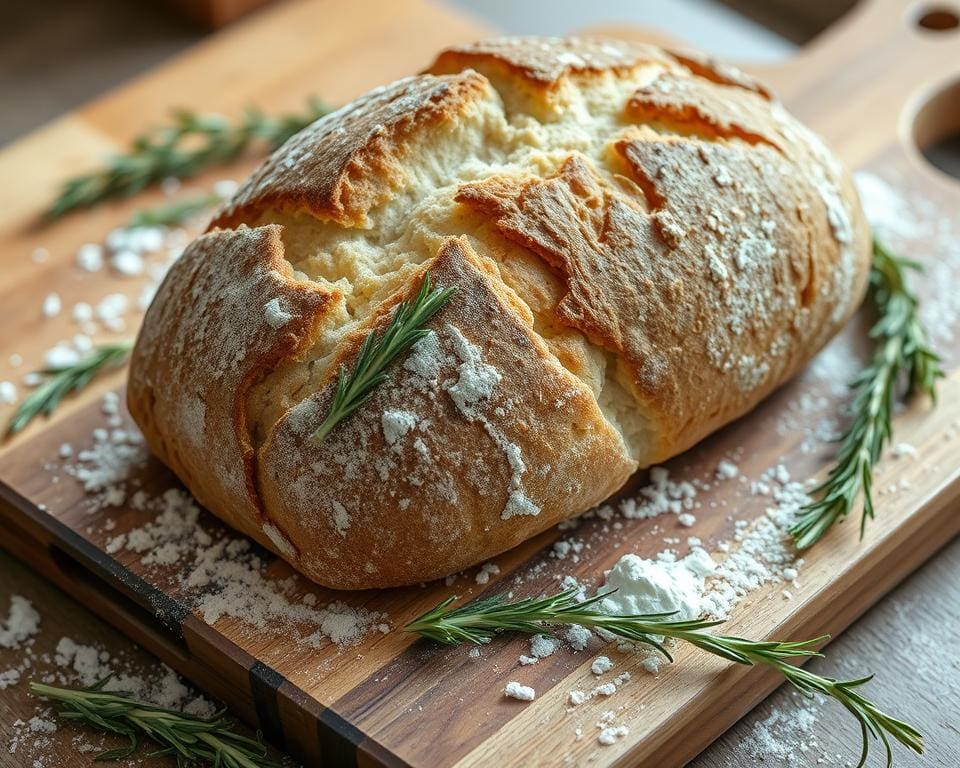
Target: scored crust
(472, 474)
(645, 244)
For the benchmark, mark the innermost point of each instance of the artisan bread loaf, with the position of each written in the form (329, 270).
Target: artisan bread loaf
(645, 244)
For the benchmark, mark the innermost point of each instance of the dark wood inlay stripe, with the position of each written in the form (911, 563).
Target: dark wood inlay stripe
(339, 740)
(71, 546)
(264, 683)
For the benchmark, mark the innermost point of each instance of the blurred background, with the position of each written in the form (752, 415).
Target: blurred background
(57, 54)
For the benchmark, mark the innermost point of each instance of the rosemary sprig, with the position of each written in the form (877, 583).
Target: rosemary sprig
(902, 357)
(189, 738)
(376, 354)
(175, 212)
(479, 621)
(62, 381)
(192, 143)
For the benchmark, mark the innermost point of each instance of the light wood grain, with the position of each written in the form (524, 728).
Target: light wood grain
(378, 707)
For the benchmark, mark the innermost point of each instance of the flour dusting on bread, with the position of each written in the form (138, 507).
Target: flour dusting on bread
(645, 244)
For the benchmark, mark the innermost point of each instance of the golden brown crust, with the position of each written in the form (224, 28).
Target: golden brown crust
(635, 275)
(348, 161)
(544, 62)
(645, 245)
(715, 71)
(205, 339)
(700, 108)
(470, 478)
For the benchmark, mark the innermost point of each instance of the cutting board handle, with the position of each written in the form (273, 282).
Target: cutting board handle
(874, 77)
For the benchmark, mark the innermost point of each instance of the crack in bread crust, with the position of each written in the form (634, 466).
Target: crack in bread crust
(660, 242)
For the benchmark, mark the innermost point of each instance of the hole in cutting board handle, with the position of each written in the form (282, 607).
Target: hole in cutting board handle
(937, 18)
(125, 611)
(936, 129)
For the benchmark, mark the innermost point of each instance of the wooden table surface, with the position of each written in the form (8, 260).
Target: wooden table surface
(909, 638)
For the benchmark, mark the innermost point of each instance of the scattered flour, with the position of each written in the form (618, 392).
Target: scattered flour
(89, 257)
(72, 664)
(396, 424)
(578, 637)
(51, 305)
(652, 664)
(576, 698)
(8, 393)
(764, 554)
(903, 449)
(727, 469)
(610, 732)
(517, 691)
(21, 624)
(127, 263)
(661, 496)
(912, 224)
(486, 571)
(657, 586)
(275, 315)
(219, 575)
(787, 736)
(542, 646)
(600, 665)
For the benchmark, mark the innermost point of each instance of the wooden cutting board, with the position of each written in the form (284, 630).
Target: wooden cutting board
(389, 700)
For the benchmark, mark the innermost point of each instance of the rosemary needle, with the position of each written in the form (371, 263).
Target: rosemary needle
(479, 621)
(190, 144)
(902, 357)
(376, 354)
(176, 212)
(63, 380)
(190, 738)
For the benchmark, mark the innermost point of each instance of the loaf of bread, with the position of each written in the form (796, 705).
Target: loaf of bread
(645, 244)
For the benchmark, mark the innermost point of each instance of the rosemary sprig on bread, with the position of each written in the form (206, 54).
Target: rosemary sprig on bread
(479, 621)
(191, 739)
(903, 358)
(406, 328)
(190, 144)
(62, 380)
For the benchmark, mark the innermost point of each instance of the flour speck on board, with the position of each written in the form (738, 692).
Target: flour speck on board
(521, 692)
(486, 571)
(610, 731)
(578, 637)
(20, 625)
(542, 646)
(600, 665)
